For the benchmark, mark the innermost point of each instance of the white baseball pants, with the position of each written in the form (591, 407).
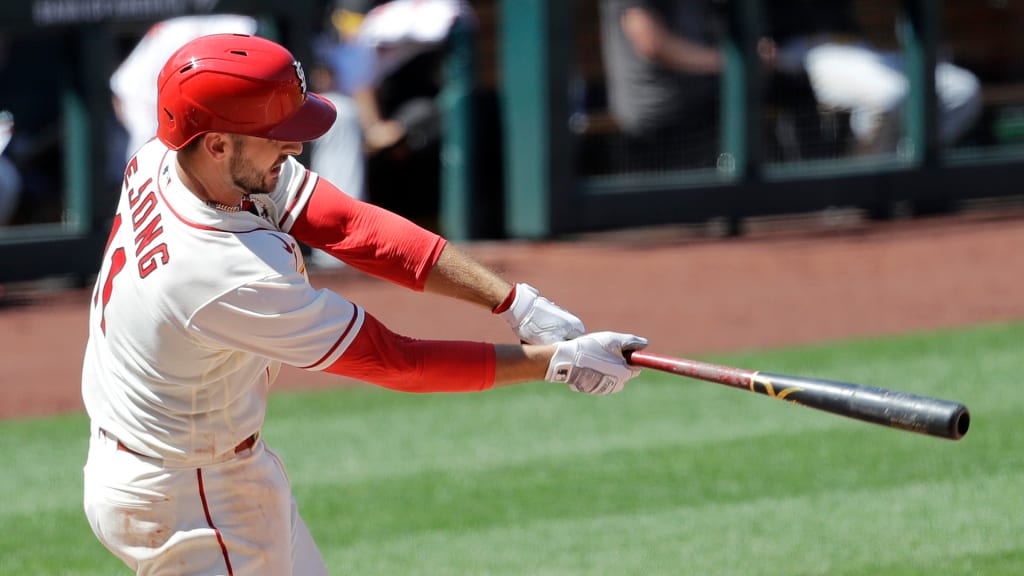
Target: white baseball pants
(236, 516)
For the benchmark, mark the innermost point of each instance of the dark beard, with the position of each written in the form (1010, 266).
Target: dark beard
(244, 175)
(250, 190)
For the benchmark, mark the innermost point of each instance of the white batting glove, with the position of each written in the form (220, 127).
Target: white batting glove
(537, 320)
(594, 363)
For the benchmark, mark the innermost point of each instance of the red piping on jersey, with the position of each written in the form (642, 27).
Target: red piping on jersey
(299, 196)
(344, 334)
(209, 521)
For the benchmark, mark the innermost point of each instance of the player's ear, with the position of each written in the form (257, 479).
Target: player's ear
(217, 144)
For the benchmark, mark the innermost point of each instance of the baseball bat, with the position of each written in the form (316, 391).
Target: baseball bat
(900, 410)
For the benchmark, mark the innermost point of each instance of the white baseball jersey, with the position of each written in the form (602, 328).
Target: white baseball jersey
(195, 309)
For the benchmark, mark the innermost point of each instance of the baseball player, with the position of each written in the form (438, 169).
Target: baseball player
(202, 295)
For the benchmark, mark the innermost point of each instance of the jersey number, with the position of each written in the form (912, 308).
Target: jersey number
(117, 261)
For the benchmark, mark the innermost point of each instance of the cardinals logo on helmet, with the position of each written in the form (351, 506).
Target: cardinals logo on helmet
(301, 75)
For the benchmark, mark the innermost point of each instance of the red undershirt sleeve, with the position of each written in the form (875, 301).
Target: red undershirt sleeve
(379, 356)
(367, 237)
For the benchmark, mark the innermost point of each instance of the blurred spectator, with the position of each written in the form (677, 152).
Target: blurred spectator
(354, 67)
(408, 39)
(338, 155)
(662, 64)
(10, 179)
(31, 164)
(822, 38)
(134, 81)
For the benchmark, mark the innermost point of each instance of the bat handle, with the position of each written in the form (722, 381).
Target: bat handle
(727, 375)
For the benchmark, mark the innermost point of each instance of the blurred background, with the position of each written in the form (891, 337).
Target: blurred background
(534, 119)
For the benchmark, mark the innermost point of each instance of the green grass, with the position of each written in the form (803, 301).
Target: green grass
(673, 476)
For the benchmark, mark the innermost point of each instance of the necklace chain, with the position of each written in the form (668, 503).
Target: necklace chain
(245, 205)
(223, 207)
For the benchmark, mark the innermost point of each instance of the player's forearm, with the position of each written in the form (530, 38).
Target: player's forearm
(653, 41)
(457, 275)
(686, 56)
(515, 364)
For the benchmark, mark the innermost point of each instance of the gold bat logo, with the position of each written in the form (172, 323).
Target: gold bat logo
(768, 389)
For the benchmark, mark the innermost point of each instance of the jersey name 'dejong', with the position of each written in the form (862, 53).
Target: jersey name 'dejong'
(184, 288)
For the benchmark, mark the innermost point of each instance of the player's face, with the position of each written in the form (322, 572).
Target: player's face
(256, 162)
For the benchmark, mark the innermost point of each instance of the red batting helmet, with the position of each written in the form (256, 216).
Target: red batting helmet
(241, 85)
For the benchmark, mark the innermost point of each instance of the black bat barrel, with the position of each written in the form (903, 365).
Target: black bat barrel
(902, 410)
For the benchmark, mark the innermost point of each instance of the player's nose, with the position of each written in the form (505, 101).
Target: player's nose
(291, 148)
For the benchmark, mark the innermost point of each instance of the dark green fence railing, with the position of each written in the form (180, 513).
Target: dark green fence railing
(543, 201)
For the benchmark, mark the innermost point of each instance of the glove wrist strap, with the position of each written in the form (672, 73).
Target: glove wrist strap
(506, 303)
